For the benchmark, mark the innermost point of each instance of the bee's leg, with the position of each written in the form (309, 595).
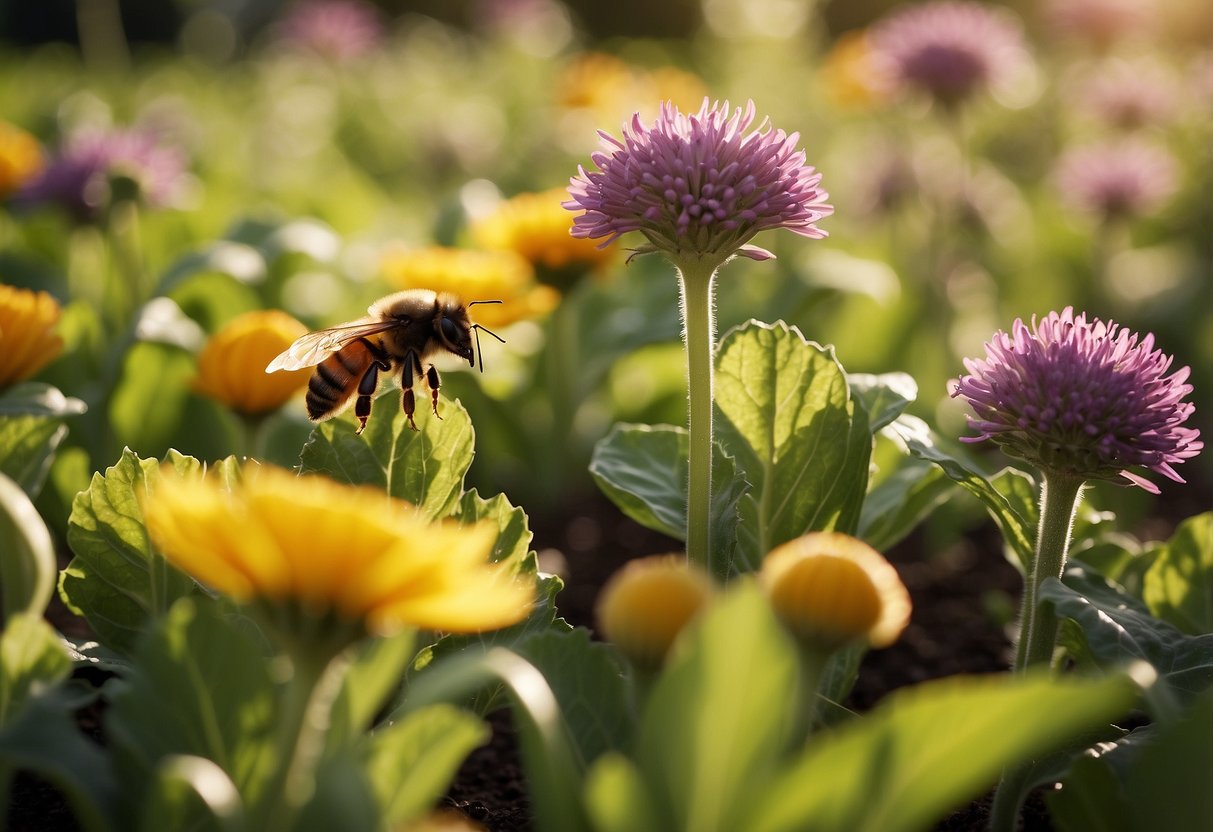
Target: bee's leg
(408, 401)
(431, 377)
(367, 386)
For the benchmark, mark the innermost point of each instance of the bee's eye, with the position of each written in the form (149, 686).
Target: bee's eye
(450, 330)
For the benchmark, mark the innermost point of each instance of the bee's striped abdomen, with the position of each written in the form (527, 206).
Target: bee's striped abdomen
(336, 380)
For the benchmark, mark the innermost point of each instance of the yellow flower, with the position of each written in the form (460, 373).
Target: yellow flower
(537, 227)
(21, 158)
(350, 552)
(473, 275)
(231, 367)
(598, 82)
(830, 589)
(27, 338)
(852, 76)
(645, 605)
(685, 89)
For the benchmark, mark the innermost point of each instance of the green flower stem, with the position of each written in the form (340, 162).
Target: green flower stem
(1059, 496)
(695, 278)
(811, 666)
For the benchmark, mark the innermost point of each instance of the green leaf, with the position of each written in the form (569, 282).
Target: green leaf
(720, 715)
(152, 396)
(241, 262)
(1179, 586)
(1171, 778)
(643, 470)
(412, 762)
(372, 678)
(425, 467)
(115, 580)
(188, 792)
(1017, 532)
(32, 658)
(1117, 628)
(929, 749)
(618, 799)
(798, 438)
(45, 740)
(27, 555)
(34, 398)
(885, 397)
(901, 501)
(199, 686)
(587, 678)
(513, 535)
(27, 449)
(1090, 800)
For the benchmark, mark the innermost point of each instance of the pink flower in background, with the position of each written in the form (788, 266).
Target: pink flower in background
(1102, 22)
(337, 29)
(1129, 95)
(1125, 179)
(84, 175)
(1091, 400)
(950, 50)
(698, 185)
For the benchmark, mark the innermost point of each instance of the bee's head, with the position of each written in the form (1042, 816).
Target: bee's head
(453, 328)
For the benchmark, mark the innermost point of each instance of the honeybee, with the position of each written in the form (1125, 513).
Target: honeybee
(399, 333)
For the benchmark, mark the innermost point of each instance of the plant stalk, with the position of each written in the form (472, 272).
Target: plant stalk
(695, 278)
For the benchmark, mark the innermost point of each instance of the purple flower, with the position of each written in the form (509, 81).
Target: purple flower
(950, 50)
(698, 185)
(337, 29)
(1100, 21)
(82, 177)
(1121, 179)
(1091, 400)
(1129, 95)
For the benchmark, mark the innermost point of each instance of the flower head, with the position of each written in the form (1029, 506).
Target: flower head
(537, 226)
(339, 30)
(950, 49)
(831, 589)
(308, 545)
(698, 185)
(20, 158)
(646, 605)
(1090, 400)
(83, 176)
(28, 341)
(231, 367)
(1129, 95)
(473, 275)
(1102, 22)
(1116, 180)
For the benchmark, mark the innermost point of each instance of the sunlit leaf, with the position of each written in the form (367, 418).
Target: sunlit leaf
(901, 501)
(425, 466)
(27, 449)
(1117, 628)
(929, 749)
(798, 438)
(114, 580)
(513, 536)
(885, 396)
(374, 675)
(411, 763)
(27, 555)
(1179, 586)
(190, 792)
(33, 398)
(618, 797)
(32, 658)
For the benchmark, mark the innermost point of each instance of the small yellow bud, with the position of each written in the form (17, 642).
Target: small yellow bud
(231, 367)
(831, 589)
(20, 158)
(645, 605)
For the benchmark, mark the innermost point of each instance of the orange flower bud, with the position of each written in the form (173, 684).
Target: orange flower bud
(645, 605)
(231, 367)
(27, 338)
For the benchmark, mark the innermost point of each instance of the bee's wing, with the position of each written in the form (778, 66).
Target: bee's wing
(309, 350)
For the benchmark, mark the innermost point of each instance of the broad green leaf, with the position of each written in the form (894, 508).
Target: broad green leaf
(1179, 586)
(425, 467)
(798, 438)
(513, 535)
(115, 581)
(720, 715)
(343, 799)
(643, 470)
(189, 792)
(618, 798)
(1017, 532)
(27, 555)
(200, 686)
(241, 262)
(152, 396)
(885, 396)
(1172, 779)
(901, 501)
(27, 449)
(1090, 800)
(588, 681)
(411, 762)
(374, 675)
(45, 740)
(1117, 628)
(929, 749)
(32, 658)
(34, 398)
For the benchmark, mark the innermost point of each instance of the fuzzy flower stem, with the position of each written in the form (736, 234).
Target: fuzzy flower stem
(1059, 497)
(695, 278)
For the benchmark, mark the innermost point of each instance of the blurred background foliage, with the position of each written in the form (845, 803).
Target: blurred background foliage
(305, 161)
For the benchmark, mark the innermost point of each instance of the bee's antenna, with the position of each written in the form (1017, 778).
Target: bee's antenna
(477, 328)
